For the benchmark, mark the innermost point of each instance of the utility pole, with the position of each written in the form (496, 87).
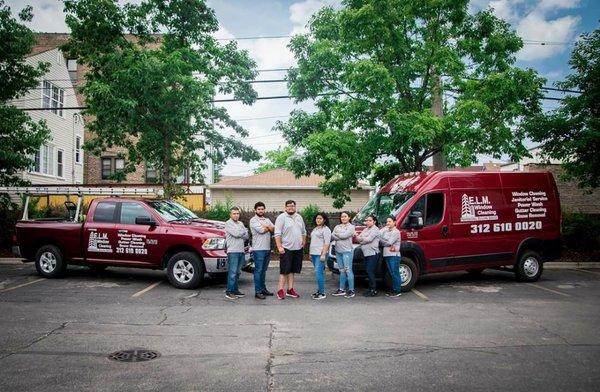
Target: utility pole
(439, 160)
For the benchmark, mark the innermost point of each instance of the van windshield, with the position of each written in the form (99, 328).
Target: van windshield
(383, 205)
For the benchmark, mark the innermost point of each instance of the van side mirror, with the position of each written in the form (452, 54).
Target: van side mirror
(145, 220)
(415, 220)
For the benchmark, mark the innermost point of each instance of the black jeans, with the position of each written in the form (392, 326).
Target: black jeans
(371, 264)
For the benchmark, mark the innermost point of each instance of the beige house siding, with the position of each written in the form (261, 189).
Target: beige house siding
(63, 129)
(274, 199)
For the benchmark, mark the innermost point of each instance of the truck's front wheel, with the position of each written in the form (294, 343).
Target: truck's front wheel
(49, 262)
(185, 270)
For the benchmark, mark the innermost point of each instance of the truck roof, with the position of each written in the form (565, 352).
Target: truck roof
(412, 182)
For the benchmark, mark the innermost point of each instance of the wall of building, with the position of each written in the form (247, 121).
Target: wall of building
(274, 199)
(63, 128)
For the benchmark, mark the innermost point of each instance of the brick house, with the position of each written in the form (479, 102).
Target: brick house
(97, 169)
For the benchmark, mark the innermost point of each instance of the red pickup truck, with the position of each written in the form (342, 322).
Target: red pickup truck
(124, 232)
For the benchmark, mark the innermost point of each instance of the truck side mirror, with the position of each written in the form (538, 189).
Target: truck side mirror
(145, 220)
(415, 220)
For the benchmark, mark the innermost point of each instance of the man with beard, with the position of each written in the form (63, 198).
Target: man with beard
(261, 228)
(290, 237)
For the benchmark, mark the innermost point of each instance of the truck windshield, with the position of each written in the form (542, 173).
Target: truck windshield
(172, 211)
(383, 205)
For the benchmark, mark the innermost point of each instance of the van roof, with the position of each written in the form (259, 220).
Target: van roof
(412, 182)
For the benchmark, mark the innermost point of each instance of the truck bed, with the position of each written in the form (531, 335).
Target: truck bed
(64, 234)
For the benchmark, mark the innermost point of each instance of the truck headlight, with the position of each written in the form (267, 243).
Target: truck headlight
(214, 243)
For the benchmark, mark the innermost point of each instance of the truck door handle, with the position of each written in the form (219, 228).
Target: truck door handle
(445, 231)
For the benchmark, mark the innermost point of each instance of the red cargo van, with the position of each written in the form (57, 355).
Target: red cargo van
(453, 221)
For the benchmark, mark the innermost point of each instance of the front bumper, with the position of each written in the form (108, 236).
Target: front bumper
(215, 265)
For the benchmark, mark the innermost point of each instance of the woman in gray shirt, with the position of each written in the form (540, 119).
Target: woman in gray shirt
(390, 239)
(369, 244)
(320, 238)
(344, 251)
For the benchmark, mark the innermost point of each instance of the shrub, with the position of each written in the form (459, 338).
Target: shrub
(218, 211)
(308, 213)
(581, 232)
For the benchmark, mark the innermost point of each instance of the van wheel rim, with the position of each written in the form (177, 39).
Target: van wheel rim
(48, 262)
(405, 274)
(531, 266)
(183, 271)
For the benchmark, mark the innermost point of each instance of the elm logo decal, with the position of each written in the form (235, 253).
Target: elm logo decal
(99, 242)
(475, 208)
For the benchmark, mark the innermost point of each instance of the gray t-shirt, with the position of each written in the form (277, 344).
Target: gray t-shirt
(261, 237)
(369, 240)
(389, 238)
(342, 234)
(291, 229)
(319, 237)
(235, 234)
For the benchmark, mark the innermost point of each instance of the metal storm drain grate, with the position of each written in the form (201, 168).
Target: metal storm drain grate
(140, 355)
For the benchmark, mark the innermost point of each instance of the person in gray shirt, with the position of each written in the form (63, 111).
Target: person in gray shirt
(390, 239)
(290, 238)
(369, 244)
(342, 235)
(320, 238)
(261, 228)
(235, 235)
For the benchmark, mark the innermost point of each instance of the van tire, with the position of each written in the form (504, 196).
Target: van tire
(49, 262)
(407, 262)
(177, 266)
(529, 267)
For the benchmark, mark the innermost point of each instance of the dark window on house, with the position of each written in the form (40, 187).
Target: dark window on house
(77, 149)
(111, 165)
(59, 163)
(105, 212)
(151, 174)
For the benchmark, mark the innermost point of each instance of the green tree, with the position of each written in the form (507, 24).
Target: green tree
(20, 136)
(154, 69)
(571, 133)
(276, 159)
(374, 68)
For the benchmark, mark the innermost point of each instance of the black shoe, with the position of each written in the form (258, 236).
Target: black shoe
(370, 293)
(350, 294)
(239, 294)
(393, 294)
(267, 293)
(230, 295)
(259, 296)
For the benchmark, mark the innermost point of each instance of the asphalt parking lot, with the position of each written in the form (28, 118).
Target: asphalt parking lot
(456, 333)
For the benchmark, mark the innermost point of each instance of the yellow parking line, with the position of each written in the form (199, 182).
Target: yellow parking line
(141, 292)
(420, 294)
(21, 285)
(547, 289)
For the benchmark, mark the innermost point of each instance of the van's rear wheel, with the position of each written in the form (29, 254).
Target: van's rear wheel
(49, 262)
(408, 273)
(529, 267)
(185, 270)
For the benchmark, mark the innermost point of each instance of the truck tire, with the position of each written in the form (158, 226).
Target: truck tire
(529, 267)
(408, 272)
(185, 270)
(49, 262)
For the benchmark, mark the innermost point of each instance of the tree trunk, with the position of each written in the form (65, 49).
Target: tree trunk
(439, 159)
(166, 172)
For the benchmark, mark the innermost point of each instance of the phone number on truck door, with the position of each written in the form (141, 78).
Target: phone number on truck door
(505, 227)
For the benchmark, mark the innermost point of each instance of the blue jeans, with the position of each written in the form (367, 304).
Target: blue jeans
(261, 263)
(236, 261)
(344, 260)
(319, 272)
(393, 264)
(371, 264)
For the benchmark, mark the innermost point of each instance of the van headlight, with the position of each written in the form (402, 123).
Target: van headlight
(214, 243)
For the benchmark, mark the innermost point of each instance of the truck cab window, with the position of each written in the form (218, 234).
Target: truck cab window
(130, 211)
(431, 206)
(105, 212)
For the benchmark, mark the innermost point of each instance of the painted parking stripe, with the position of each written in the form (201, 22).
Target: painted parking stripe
(22, 285)
(142, 292)
(547, 289)
(587, 271)
(420, 294)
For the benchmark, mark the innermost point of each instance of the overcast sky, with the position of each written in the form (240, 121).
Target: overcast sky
(556, 21)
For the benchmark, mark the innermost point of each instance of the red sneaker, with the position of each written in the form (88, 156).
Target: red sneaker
(292, 293)
(280, 294)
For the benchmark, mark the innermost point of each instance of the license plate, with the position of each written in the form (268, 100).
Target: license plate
(221, 263)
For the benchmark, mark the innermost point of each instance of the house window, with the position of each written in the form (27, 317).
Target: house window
(53, 98)
(78, 154)
(37, 159)
(59, 163)
(151, 174)
(72, 65)
(111, 165)
(43, 160)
